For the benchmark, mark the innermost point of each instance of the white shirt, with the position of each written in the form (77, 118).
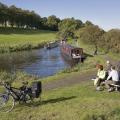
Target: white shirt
(114, 75)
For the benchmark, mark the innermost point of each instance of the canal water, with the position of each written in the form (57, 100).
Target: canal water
(41, 62)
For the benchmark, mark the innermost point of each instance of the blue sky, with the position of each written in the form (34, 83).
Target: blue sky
(105, 13)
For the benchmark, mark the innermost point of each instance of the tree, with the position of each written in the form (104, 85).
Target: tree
(52, 22)
(68, 26)
(44, 23)
(112, 40)
(12, 15)
(3, 14)
(88, 23)
(91, 34)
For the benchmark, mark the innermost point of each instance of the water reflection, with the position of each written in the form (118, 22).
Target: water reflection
(40, 62)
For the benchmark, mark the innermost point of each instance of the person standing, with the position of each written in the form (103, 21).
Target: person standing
(118, 69)
(108, 68)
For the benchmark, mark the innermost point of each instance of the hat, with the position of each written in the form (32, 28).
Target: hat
(107, 61)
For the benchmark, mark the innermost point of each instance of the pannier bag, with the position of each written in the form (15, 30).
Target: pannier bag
(36, 89)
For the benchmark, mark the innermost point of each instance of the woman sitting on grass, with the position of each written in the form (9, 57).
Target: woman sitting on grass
(101, 74)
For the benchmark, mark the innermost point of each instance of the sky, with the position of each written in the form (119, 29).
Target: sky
(105, 13)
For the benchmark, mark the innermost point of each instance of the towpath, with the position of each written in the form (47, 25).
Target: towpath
(69, 80)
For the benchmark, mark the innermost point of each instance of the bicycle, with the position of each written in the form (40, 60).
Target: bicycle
(12, 95)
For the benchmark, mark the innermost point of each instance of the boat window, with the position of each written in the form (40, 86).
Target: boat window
(78, 52)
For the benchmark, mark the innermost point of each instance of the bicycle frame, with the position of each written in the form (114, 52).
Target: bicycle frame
(10, 91)
(16, 93)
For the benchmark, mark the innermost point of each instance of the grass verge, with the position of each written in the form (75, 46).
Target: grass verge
(12, 39)
(80, 102)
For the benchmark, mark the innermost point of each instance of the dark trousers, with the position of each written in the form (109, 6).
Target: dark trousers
(109, 82)
(100, 81)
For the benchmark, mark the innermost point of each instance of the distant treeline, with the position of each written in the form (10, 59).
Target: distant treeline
(67, 28)
(17, 17)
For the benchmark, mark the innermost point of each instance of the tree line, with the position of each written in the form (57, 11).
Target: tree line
(17, 17)
(108, 41)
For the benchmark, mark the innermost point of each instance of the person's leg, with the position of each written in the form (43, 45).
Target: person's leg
(115, 82)
(98, 82)
(108, 83)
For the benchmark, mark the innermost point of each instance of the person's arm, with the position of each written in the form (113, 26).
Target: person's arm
(110, 75)
(98, 73)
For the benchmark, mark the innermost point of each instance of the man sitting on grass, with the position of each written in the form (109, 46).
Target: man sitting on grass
(115, 79)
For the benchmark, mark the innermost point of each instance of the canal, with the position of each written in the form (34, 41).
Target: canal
(41, 62)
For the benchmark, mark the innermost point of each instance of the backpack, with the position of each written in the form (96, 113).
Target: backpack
(118, 69)
(36, 89)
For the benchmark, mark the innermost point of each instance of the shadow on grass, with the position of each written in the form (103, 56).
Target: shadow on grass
(50, 101)
(21, 106)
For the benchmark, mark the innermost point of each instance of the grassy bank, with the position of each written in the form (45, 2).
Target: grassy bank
(80, 102)
(21, 39)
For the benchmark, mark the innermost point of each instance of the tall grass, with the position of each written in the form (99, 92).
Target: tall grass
(17, 78)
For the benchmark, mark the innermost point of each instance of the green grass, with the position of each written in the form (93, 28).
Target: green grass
(115, 56)
(21, 39)
(80, 102)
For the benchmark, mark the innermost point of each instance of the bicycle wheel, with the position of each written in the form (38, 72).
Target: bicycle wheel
(7, 103)
(2, 101)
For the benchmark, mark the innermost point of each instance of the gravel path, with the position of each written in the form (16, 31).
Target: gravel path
(69, 81)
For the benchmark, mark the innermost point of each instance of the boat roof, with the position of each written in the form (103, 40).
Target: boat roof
(72, 47)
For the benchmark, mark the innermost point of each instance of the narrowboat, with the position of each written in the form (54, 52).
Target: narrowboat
(51, 45)
(71, 52)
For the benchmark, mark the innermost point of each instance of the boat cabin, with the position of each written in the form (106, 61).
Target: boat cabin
(72, 52)
(76, 53)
